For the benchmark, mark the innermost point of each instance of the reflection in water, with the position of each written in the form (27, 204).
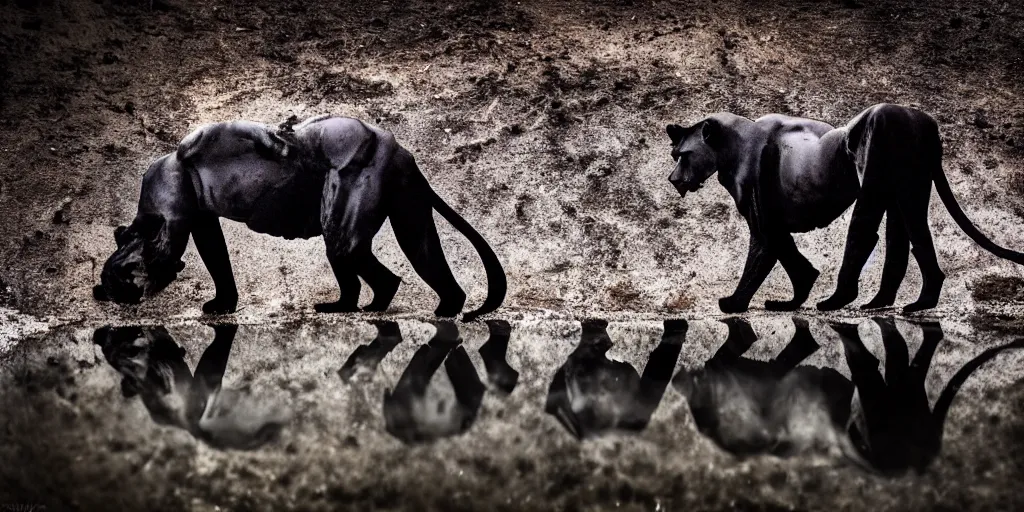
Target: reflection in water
(499, 372)
(591, 394)
(779, 407)
(749, 406)
(416, 411)
(367, 357)
(896, 429)
(153, 367)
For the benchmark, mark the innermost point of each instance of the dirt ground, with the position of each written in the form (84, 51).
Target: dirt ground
(543, 124)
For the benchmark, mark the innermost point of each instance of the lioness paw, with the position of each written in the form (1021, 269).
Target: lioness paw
(782, 305)
(732, 305)
(220, 306)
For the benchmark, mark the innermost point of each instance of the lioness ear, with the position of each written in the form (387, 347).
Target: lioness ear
(711, 132)
(675, 133)
(119, 237)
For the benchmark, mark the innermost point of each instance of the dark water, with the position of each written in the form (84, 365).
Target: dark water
(745, 405)
(872, 396)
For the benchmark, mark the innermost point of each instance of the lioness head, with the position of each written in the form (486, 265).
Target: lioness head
(140, 266)
(694, 153)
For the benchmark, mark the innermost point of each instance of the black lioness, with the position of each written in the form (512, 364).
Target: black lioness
(334, 176)
(792, 175)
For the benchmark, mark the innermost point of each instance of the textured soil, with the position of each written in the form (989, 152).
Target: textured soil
(543, 124)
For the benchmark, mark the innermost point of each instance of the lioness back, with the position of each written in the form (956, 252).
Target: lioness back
(245, 172)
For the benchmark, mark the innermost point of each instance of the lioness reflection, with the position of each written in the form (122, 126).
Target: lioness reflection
(418, 410)
(783, 408)
(152, 366)
(779, 407)
(896, 429)
(367, 357)
(592, 394)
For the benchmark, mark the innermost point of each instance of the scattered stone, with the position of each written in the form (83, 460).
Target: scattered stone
(61, 217)
(32, 24)
(599, 168)
(514, 129)
(981, 120)
(475, 145)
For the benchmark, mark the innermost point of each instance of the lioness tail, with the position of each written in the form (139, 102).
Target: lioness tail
(948, 199)
(497, 284)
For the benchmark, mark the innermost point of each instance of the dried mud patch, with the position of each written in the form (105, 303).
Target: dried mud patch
(998, 288)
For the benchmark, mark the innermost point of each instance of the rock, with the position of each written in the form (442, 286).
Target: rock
(981, 121)
(32, 24)
(61, 217)
(475, 145)
(514, 129)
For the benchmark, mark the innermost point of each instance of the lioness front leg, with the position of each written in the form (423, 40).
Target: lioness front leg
(209, 240)
(801, 273)
(759, 264)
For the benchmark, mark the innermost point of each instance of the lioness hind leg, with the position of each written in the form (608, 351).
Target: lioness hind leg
(897, 255)
(915, 214)
(380, 279)
(351, 213)
(860, 241)
(417, 236)
(363, 264)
